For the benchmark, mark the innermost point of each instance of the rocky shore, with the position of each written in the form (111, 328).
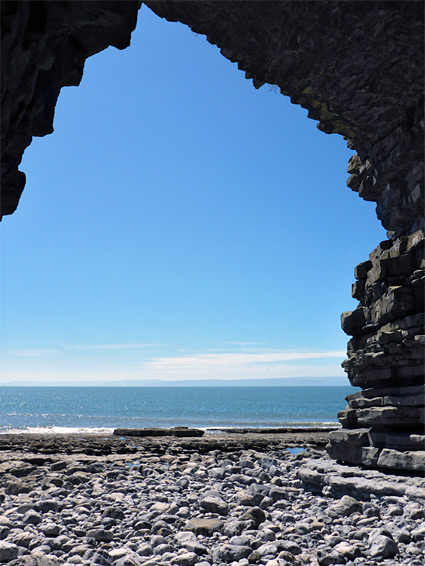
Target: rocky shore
(223, 499)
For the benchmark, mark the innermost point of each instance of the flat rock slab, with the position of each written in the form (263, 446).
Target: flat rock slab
(337, 480)
(276, 430)
(180, 432)
(204, 527)
(39, 449)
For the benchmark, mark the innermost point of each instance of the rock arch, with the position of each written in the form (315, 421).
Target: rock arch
(357, 67)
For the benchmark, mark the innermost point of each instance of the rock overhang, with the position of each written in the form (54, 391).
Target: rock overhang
(357, 67)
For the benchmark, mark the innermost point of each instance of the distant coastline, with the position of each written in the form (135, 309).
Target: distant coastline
(276, 382)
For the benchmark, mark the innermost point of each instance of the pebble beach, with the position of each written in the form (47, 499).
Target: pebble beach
(228, 499)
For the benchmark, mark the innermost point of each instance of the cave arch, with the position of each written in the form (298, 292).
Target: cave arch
(357, 67)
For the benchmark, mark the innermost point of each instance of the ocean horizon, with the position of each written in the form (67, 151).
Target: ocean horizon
(101, 409)
(336, 381)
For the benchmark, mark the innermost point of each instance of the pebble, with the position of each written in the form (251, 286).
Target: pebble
(187, 509)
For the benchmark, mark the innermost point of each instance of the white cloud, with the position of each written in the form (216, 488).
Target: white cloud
(242, 366)
(258, 344)
(241, 358)
(34, 352)
(131, 346)
(45, 352)
(203, 366)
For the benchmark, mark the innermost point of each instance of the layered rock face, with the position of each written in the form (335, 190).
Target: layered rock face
(383, 426)
(358, 68)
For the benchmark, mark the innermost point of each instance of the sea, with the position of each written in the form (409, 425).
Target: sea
(102, 409)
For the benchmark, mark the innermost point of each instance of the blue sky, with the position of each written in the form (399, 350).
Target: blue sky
(179, 224)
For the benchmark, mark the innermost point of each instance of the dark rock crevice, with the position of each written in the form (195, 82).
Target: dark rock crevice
(358, 68)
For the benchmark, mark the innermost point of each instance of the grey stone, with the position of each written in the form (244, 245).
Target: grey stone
(114, 512)
(278, 494)
(289, 546)
(240, 541)
(347, 550)
(186, 559)
(178, 431)
(185, 536)
(382, 545)
(371, 510)
(418, 534)
(345, 507)
(235, 528)
(394, 511)
(8, 551)
(246, 464)
(31, 517)
(47, 505)
(162, 548)
(204, 526)
(214, 505)
(414, 511)
(326, 558)
(302, 528)
(393, 459)
(268, 549)
(130, 559)
(413, 549)
(256, 515)
(341, 480)
(50, 529)
(196, 547)
(145, 550)
(231, 552)
(36, 559)
(101, 535)
(403, 536)
(157, 540)
(250, 499)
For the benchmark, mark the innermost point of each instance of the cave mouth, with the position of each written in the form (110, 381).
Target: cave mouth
(365, 86)
(189, 202)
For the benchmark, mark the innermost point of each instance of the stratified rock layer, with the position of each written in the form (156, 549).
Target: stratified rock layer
(358, 68)
(383, 426)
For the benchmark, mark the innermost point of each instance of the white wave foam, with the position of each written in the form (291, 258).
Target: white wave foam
(58, 430)
(315, 424)
(207, 429)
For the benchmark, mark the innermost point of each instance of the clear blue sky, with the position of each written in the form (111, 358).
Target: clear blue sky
(179, 224)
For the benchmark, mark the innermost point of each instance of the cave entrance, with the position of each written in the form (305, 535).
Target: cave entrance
(195, 219)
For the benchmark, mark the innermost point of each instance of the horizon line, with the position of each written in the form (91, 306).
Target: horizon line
(253, 382)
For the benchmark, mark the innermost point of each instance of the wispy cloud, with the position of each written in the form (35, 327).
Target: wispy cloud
(246, 343)
(242, 358)
(34, 352)
(244, 365)
(140, 364)
(46, 352)
(131, 346)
